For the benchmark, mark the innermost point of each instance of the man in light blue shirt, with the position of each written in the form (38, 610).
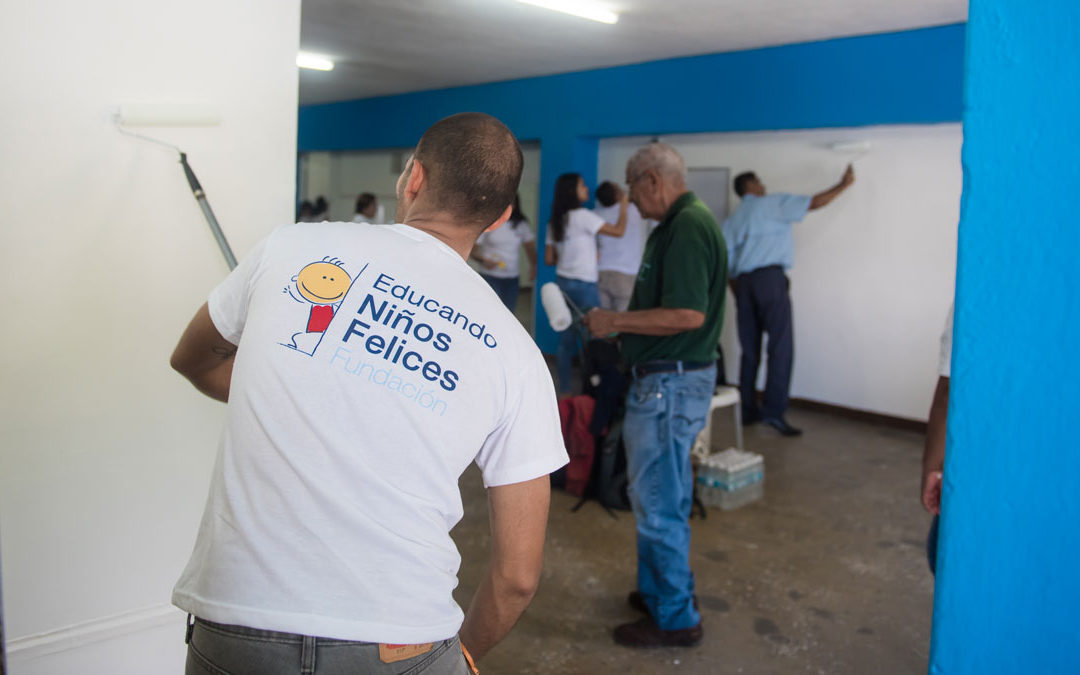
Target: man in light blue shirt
(760, 248)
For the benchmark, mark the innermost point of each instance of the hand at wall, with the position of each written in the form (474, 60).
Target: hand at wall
(849, 176)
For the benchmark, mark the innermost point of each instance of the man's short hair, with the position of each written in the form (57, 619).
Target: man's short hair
(473, 166)
(607, 194)
(661, 158)
(741, 180)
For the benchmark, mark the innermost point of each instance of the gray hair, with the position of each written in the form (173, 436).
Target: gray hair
(659, 157)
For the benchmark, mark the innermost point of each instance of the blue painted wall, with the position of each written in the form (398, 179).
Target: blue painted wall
(1008, 587)
(910, 77)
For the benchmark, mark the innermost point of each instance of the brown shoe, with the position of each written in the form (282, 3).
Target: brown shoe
(644, 633)
(637, 602)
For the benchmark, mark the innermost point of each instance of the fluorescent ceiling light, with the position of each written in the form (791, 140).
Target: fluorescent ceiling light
(586, 10)
(314, 61)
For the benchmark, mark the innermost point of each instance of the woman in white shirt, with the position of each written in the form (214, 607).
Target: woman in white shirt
(497, 251)
(571, 247)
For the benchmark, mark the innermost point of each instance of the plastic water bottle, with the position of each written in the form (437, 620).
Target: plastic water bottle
(708, 482)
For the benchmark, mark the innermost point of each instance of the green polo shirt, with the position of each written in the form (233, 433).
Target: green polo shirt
(684, 267)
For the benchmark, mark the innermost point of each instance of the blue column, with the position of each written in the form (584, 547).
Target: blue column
(1008, 585)
(558, 155)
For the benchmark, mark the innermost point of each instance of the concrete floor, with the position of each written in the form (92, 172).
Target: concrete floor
(827, 574)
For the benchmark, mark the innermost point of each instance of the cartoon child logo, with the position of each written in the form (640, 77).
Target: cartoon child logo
(323, 285)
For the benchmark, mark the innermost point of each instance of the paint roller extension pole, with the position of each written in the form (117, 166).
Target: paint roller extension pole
(200, 197)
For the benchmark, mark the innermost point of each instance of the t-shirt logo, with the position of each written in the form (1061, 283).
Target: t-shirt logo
(323, 285)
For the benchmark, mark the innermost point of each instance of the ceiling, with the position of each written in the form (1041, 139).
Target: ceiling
(395, 46)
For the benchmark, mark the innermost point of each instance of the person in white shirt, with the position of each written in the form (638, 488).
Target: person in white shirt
(571, 247)
(367, 209)
(498, 250)
(620, 257)
(326, 534)
(306, 213)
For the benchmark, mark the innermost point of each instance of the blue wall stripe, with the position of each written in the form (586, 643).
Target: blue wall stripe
(910, 77)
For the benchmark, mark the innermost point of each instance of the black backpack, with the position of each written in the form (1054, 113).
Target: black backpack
(606, 383)
(610, 476)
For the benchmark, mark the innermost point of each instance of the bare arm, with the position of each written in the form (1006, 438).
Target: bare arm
(619, 228)
(479, 257)
(551, 256)
(204, 357)
(657, 321)
(518, 515)
(934, 451)
(530, 253)
(823, 198)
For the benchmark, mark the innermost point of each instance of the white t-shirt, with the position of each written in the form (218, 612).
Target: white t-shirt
(621, 254)
(502, 245)
(577, 250)
(945, 360)
(373, 366)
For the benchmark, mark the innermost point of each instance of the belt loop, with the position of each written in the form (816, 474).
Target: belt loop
(190, 629)
(678, 367)
(307, 655)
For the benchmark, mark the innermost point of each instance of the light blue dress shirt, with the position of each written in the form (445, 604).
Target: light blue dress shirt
(758, 234)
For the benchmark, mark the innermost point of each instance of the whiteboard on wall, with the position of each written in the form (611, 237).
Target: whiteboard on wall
(711, 186)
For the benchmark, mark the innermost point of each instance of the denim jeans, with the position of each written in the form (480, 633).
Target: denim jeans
(586, 296)
(506, 289)
(218, 649)
(931, 545)
(664, 413)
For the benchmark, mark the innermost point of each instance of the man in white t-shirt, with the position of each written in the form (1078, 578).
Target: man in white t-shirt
(619, 257)
(336, 483)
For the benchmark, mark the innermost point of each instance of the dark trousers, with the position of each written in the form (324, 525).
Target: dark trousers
(506, 289)
(763, 306)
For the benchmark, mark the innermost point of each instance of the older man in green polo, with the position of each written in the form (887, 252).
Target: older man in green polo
(669, 337)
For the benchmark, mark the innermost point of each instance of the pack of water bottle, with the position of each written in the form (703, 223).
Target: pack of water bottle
(731, 479)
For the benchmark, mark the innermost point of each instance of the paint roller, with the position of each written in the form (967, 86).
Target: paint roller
(178, 115)
(853, 149)
(561, 310)
(556, 305)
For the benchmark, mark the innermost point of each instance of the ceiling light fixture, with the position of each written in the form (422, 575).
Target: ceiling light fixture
(585, 10)
(313, 61)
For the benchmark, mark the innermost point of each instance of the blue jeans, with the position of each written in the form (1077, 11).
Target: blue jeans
(931, 545)
(585, 295)
(664, 413)
(506, 289)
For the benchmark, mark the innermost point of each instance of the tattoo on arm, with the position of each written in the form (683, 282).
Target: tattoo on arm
(224, 352)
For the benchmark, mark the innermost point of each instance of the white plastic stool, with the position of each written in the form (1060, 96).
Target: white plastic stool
(724, 396)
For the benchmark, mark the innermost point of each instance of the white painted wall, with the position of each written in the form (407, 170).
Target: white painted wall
(106, 454)
(874, 271)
